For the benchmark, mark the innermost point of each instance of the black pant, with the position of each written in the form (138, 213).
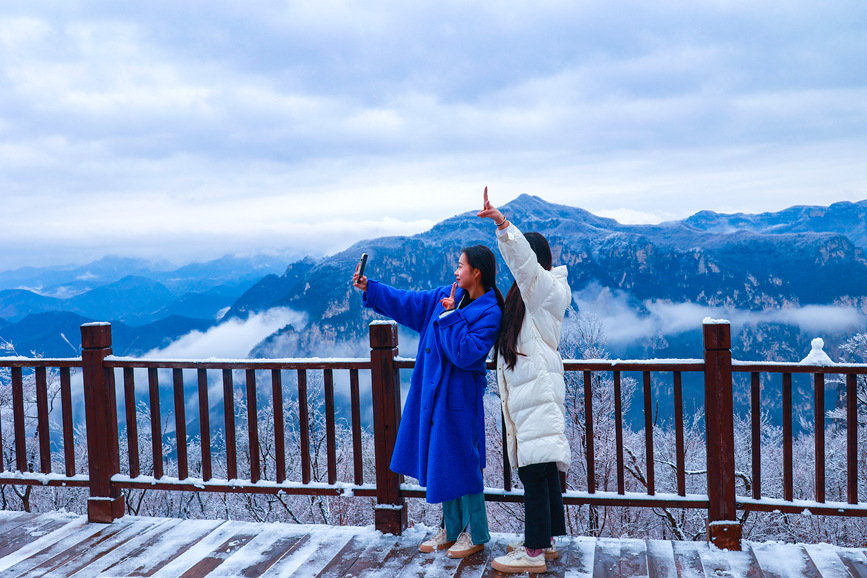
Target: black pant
(543, 505)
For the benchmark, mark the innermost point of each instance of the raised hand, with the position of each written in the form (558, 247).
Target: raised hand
(449, 302)
(490, 212)
(359, 282)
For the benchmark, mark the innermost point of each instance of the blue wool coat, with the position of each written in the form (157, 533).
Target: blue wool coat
(441, 439)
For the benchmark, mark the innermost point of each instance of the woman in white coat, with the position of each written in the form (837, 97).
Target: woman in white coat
(532, 389)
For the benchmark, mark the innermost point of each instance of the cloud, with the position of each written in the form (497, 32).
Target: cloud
(160, 123)
(627, 321)
(232, 339)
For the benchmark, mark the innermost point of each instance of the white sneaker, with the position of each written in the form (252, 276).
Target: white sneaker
(464, 547)
(550, 553)
(439, 541)
(518, 561)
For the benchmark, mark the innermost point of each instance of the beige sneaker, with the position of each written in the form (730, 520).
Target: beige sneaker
(518, 561)
(439, 541)
(550, 553)
(464, 547)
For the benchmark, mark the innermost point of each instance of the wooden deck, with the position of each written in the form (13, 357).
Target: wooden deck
(66, 545)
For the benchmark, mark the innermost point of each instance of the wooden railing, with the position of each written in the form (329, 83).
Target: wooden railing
(105, 480)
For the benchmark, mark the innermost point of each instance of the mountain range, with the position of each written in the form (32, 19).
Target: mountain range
(801, 256)
(776, 261)
(149, 303)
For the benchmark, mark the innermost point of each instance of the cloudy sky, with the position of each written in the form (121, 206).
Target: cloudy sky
(187, 130)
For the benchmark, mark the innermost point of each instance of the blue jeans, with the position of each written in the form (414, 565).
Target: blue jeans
(466, 511)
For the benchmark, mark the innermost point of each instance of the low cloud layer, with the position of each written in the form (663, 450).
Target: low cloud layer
(624, 324)
(232, 339)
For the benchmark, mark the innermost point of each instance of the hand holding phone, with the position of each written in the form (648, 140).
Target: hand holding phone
(359, 281)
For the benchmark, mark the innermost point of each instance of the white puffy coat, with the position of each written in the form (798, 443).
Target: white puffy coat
(533, 393)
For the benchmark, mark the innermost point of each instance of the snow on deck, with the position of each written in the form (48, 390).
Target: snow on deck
(60, 544)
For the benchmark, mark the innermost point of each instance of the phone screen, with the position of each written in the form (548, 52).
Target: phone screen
(361, 265)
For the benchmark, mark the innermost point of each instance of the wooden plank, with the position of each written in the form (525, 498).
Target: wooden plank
(88, 552)
(310, 557)
(253, 426)
(633, 558)
(273, 542)
(583, 557)
(330, 432)
(357, 460)
(687, 561)
(31, 531)
(196, 558)
(212, 561)
(752, 565)
(156, 419)
(131, 424)
(827, 561)
(713, 563)
(756, 422)
(147, 557)
(229, 416)
(423, 564)
(204, 422)
(279, 432)
(32, 538)
(76, 544)
(42, 430)
(852, 438)
(304, 426)
(660, 559)
(606, 558)
(2, 453)
(784, 560)
(12, 517)
(125, 547)
(403, 552)
(618, 433)
(180, 423)
(648, 435)
(788, 416)
(226, 365)
(362, 558)
(856, 563)
(588, 425)
(679, 434)
(20, 439)
(12, 520)
(341, 561)
(562, 564)
(819, 434)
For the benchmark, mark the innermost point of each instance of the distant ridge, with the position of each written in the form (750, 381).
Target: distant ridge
(783, 260)
(799, 256)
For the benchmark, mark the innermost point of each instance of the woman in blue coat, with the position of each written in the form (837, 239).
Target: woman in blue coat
(441, 439)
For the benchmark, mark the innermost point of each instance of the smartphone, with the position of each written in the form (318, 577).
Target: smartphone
(361, 265)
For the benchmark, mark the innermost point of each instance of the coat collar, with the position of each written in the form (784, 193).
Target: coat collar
(477, 307)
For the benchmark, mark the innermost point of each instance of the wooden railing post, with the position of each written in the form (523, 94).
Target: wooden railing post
(724, 531)
(390, 514)
(105, 502)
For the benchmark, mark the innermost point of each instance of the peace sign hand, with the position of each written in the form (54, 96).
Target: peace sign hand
(490, 212)
(449, 302)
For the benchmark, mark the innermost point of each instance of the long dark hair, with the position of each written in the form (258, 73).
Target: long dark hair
(513, 311)
(482, 258)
